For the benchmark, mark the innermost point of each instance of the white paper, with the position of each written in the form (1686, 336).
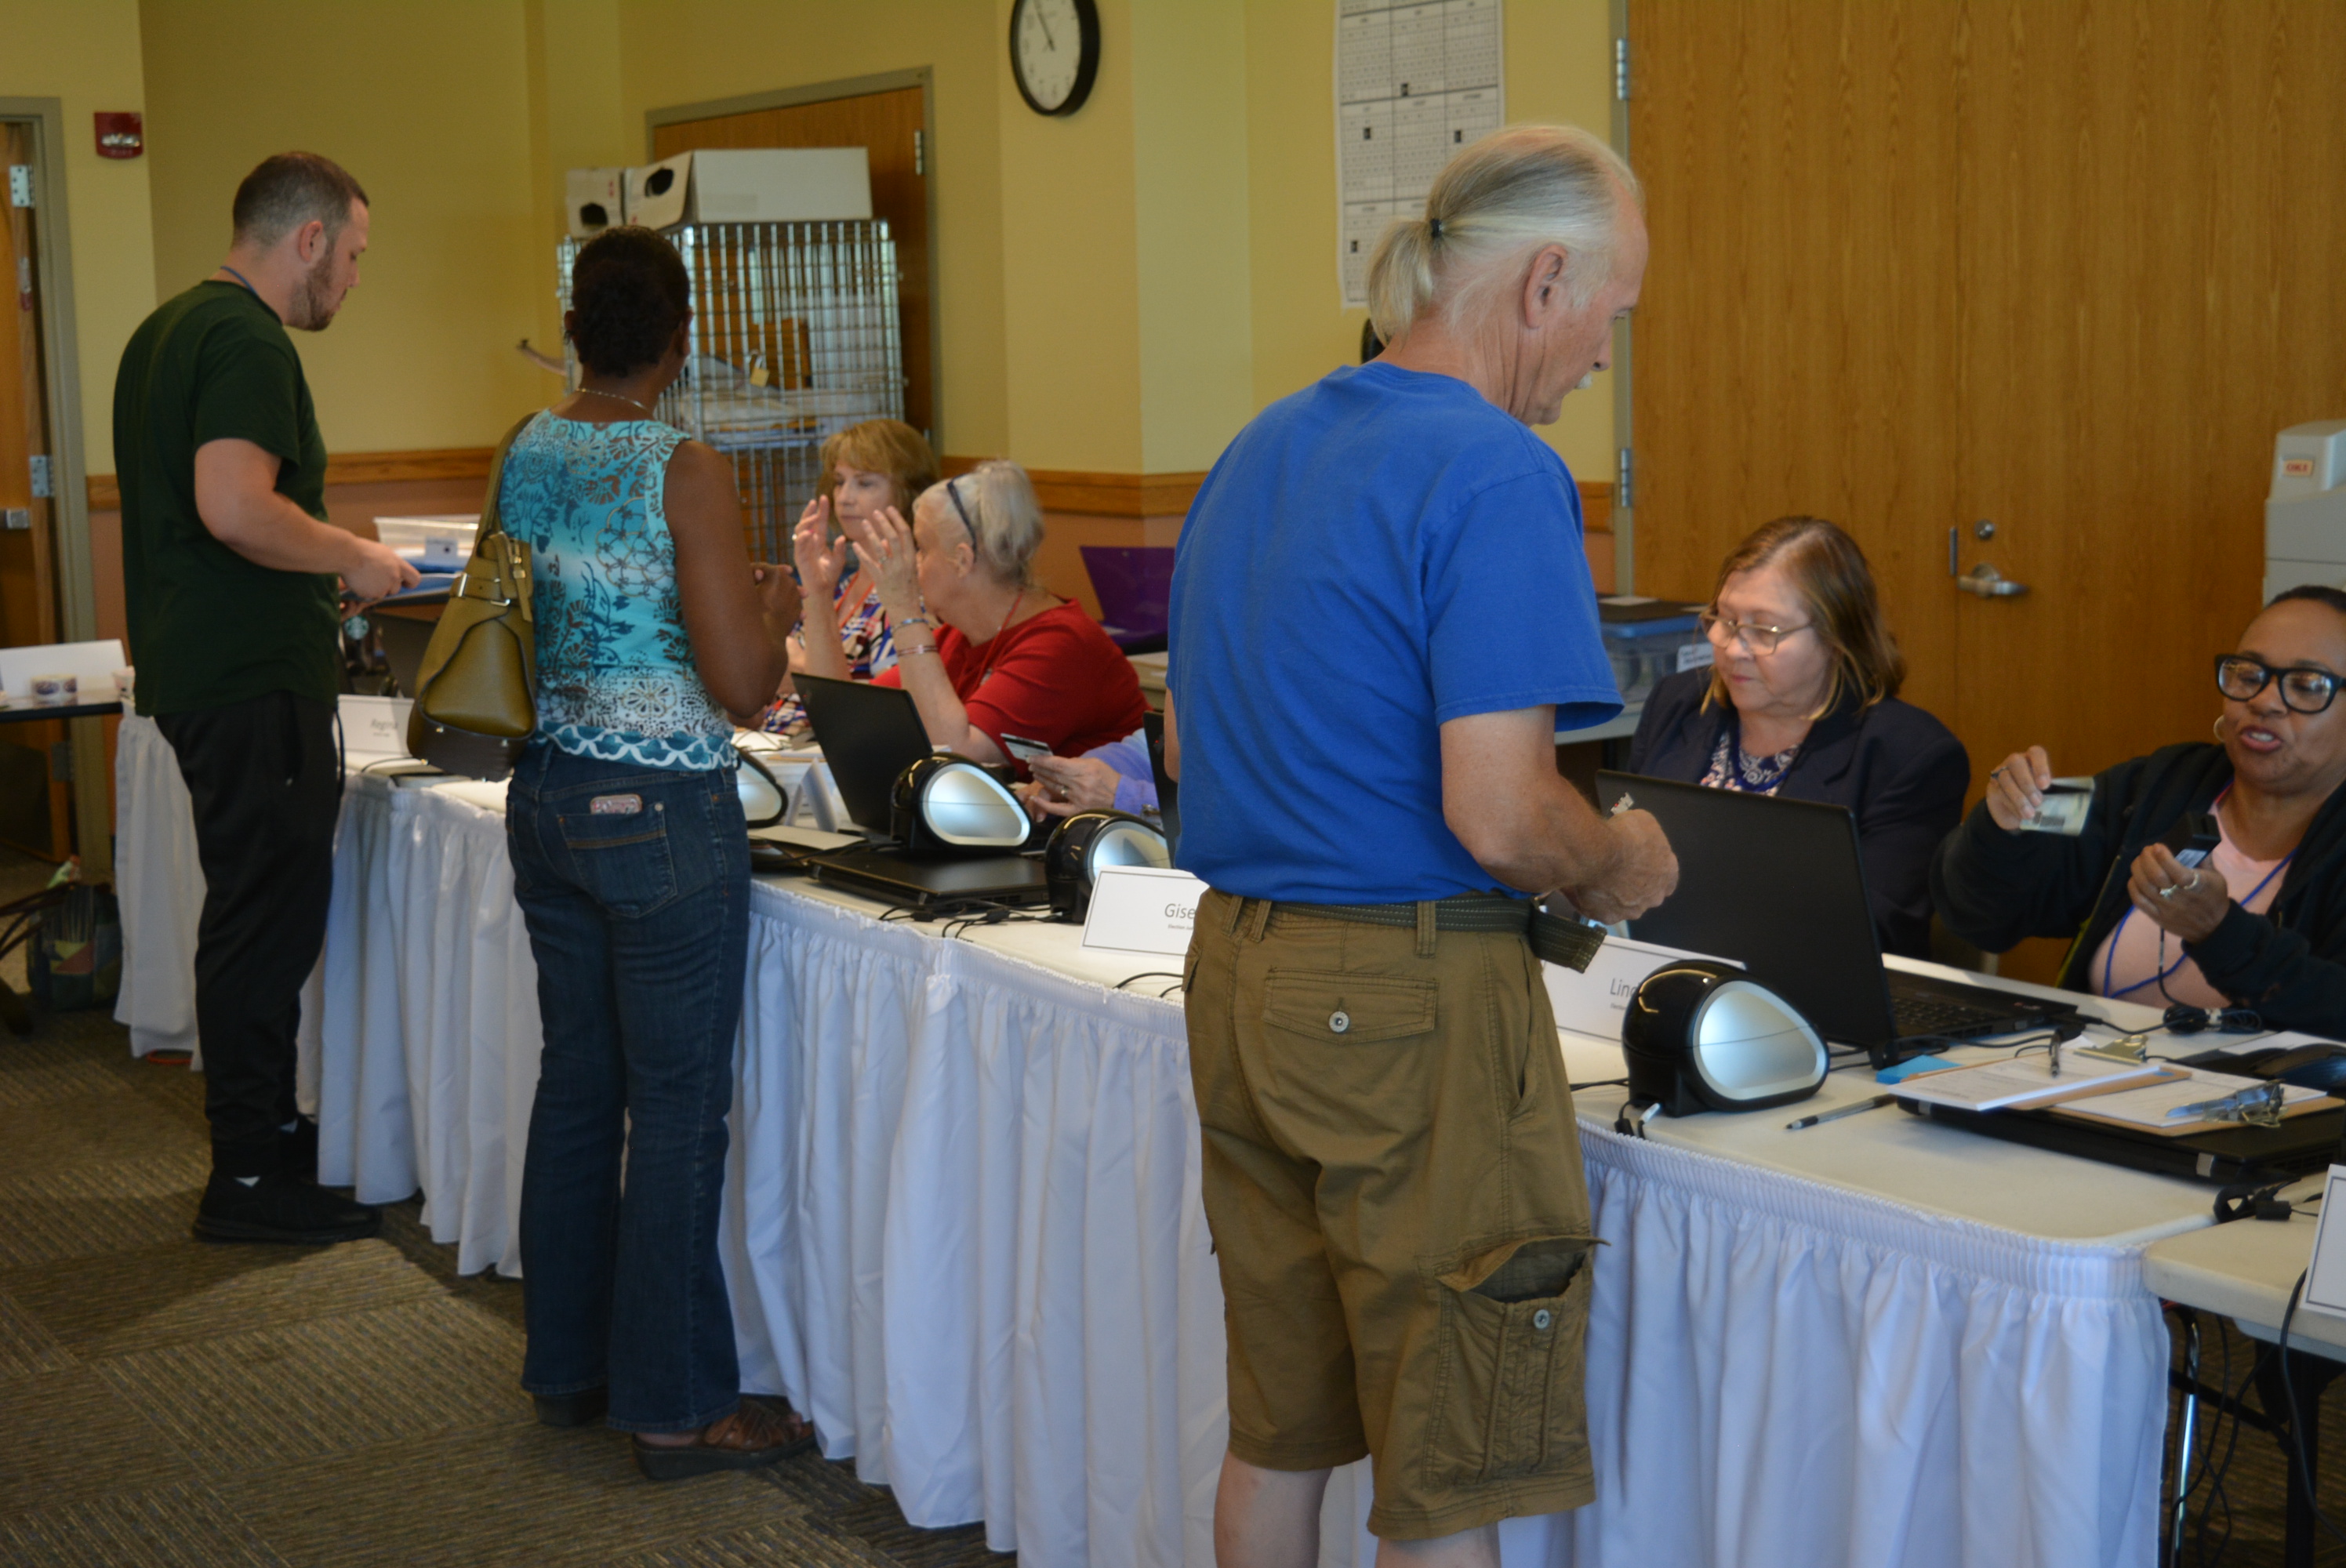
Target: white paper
(2148, 1106)
(2020, 1081)
(1140, 909)
(1414, 83)
(1592, 1001)
(2325, 1277)
(375, 726)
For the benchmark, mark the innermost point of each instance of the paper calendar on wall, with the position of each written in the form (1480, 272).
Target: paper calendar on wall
(1414, 85)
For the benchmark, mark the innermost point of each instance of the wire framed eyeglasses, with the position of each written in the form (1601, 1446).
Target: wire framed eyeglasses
(1761, 641)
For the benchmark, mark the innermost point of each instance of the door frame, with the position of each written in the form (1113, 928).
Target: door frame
(76, 586)
(1624, 510)
(920, 76)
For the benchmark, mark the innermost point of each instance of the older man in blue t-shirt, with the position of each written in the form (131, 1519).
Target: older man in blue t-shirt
(1382, 611)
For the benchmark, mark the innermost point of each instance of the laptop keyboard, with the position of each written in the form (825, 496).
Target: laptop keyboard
(1916, 1015)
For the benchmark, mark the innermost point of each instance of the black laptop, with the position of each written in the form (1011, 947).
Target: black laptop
(1169, 793)
(1780, 886)
(870, 734)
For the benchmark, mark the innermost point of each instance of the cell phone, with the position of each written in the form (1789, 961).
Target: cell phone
(1024, 750)
(2193, 838)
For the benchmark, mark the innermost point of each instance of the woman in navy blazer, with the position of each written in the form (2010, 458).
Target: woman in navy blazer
(1802, 700)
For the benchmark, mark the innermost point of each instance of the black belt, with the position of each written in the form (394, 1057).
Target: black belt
(1555, 938)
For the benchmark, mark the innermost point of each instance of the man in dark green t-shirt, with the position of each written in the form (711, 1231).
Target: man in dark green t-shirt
(229, 569)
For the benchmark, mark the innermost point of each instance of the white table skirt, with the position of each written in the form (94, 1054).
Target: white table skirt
(962, 1230)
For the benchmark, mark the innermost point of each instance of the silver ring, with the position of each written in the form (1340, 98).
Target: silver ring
(2193, 885)
(2170, 891)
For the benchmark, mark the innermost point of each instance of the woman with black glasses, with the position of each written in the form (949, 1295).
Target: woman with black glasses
(2260, 923)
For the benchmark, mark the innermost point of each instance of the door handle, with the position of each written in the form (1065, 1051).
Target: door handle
(1989, 584)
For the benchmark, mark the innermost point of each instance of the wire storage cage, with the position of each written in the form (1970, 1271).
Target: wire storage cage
(794, 338)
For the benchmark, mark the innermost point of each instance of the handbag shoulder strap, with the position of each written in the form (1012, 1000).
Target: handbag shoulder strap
(492, 515)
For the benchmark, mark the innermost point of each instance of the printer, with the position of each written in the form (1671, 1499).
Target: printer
(2305, 514)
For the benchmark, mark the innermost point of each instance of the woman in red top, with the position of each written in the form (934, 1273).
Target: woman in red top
(985, 650)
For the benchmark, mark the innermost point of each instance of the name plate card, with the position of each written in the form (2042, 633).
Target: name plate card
(2325, 1275)
(375, 726)
(1140, 909)
(1592, 1002)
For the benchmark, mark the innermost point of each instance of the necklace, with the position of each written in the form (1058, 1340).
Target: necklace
(994, 648)
(616, 397)
(241, 278)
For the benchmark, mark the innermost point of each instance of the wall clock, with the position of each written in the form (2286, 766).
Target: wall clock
(1055, 53)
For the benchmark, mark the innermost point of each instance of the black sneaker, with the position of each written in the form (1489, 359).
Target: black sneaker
(297, 1151)
(280, 1207)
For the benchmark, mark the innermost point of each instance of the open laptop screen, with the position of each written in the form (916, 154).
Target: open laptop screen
(869, 734)
(1773, 883)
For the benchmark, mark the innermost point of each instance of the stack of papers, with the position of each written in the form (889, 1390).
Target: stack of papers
(2020, 1081)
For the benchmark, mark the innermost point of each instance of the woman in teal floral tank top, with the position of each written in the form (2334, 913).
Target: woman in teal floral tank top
(631, 865)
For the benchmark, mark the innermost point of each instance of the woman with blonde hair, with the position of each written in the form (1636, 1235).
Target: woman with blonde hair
(1802, 700)
(985, 650)
(879, 462)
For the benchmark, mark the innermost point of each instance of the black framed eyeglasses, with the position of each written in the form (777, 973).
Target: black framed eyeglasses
(954, 496)
(2303, 689)
(1761, 641)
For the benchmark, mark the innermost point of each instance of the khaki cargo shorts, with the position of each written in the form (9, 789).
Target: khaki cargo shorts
(1394, 1181)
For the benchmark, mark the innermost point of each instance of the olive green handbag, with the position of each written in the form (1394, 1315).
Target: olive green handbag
(476, 704)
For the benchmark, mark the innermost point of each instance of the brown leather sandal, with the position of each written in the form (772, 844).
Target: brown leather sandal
(761, 1432)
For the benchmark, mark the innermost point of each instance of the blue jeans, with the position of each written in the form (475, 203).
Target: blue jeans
(634, 884)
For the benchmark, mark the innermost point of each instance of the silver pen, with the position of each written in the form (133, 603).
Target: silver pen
(1875, 1104)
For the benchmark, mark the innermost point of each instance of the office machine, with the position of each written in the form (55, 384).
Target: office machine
(2305, 510)
(872, 737)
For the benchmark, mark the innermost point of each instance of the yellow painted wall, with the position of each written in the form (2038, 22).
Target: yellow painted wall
(86, 54)
(677, 52)
(1118, 289)
(426, 102)
(1559, 68)
(1190, 178)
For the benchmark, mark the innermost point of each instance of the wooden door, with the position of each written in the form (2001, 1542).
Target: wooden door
(36, 807)
(2150, 290)
(2060, 266)
(888, 126)
(1794, 342)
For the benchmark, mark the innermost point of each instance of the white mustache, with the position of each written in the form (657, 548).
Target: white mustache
(1585, 383)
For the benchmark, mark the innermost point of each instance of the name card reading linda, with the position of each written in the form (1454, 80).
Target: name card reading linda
(1140, 909)
(1592, 1002)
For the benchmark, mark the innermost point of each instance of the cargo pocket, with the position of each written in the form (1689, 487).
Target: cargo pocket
(1507, 1400)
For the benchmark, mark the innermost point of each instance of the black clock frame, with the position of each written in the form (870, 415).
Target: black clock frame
(1087, 27)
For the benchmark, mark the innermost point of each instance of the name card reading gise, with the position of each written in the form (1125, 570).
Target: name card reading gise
(1140, 909)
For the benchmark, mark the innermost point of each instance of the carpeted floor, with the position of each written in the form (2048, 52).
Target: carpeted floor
(168, 1402)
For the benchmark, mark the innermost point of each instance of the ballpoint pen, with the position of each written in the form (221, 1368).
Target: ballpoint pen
(1875, 1104)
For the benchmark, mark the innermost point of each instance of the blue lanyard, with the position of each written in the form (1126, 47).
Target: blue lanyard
(241, 278)
(2160, 976)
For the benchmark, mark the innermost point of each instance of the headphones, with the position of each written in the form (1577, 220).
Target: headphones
(1089, 842)
(946, 804)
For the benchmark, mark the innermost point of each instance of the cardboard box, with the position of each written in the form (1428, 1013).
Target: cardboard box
(751, 185)
(597, 199)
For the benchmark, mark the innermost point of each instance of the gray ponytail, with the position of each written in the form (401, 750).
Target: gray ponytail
(1511, 192)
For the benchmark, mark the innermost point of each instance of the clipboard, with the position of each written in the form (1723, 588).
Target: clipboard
(2072, 1111)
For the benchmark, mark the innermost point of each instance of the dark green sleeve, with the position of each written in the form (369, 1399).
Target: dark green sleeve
(249, 389)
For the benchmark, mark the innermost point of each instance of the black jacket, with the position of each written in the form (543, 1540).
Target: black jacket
(1900, 770)
(1995, 888)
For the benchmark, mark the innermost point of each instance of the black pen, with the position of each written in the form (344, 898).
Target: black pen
(1875, 1104)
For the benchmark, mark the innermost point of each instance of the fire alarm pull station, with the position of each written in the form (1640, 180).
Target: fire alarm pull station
(120, 134)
